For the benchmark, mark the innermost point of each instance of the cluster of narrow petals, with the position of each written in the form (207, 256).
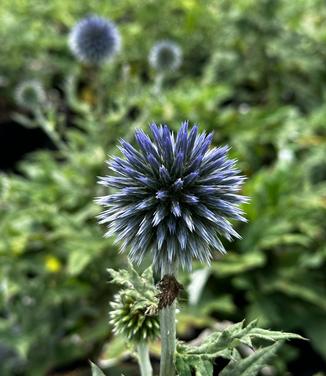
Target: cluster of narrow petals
(173, 197)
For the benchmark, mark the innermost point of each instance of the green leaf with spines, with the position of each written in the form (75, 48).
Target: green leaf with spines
(131, 279)
(224, 344)
(251, 365)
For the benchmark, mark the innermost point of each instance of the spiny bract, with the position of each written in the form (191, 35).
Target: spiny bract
(173, 197)
(94, 40)
(165, 56)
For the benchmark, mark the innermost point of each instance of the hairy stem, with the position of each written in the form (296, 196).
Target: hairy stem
(144, 360)
(168, 335)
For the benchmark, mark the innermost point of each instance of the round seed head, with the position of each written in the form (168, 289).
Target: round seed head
(30, 94)
(94, 40)
(165, 56)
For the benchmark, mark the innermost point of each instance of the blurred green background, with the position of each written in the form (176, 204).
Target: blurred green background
(254, 72)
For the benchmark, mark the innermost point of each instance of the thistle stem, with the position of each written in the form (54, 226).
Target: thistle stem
(158, 83)
(168, 335)
(144, 360)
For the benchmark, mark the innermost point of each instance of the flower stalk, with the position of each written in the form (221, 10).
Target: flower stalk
(168, 329)
(144, 359)
(168, 340)
(158, 83)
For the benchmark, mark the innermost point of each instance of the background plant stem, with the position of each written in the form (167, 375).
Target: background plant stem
(144, 360)
(168, 334)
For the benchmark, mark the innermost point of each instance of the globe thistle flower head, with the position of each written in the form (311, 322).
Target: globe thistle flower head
(30, 94)
(131, 316)
(94, 40)
(165, 56)
(174, 197)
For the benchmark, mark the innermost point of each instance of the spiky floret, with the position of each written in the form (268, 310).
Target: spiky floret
(173, 197)
(131, 316)
(94, 39)
(165, 56)
(30, 94)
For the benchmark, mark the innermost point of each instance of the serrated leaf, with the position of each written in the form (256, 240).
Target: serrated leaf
(224, 344)
(142, 284)
(270, 335)
(121, 277)
(251, 365)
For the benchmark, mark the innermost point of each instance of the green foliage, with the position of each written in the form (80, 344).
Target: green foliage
(254, 73)
(252, 365)
(227, 344)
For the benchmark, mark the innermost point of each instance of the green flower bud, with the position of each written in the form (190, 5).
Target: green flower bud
(134, 309)
(134, 317)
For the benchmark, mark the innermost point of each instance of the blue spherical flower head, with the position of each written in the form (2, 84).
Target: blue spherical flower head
(165, 56)
(94, 40)
(173, 197)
